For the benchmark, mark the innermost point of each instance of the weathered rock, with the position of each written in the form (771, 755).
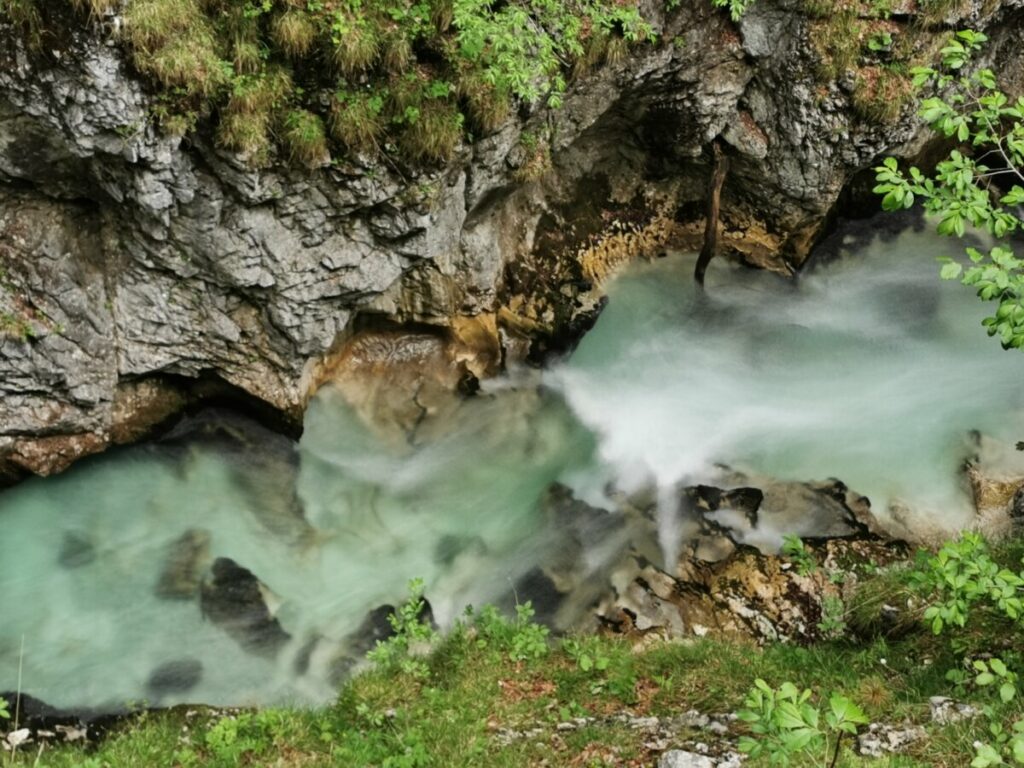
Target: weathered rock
(747, 594)
(880, 740)
(680, 758)
(235, 600)
(945, 710)
(136, 263)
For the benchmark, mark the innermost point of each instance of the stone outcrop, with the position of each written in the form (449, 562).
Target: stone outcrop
(141, 272)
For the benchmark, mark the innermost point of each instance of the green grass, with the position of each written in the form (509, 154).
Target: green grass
(472, 691)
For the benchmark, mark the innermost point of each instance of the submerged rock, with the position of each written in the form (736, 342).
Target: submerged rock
(264, 468)
(174, 677)
(236, 601)
(76, 550)
(186, 559)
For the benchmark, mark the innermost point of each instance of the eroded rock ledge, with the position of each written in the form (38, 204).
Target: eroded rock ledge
(133, 264)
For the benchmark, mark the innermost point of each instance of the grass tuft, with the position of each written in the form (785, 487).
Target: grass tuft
(24, 14)
(294, 32)
(881, 94)
(173, 41)
(397, 52)
(356, 121)
(434, 134)
(95, 8)
(486, 106)
(304, 137)
(356, 43)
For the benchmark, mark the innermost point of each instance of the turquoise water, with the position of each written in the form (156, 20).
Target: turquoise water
(868, 369)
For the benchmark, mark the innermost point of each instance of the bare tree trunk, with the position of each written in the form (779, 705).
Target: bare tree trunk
(714, 205)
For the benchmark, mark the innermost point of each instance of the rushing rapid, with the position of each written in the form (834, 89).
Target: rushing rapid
(867, 368)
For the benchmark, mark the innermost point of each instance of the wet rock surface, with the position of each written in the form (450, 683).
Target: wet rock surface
(235, 600)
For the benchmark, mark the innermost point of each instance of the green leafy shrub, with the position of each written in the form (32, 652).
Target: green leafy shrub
(410, 631)
(786, 723)
(522, 639)
(793, 549)
(964, 189)
(961, 576)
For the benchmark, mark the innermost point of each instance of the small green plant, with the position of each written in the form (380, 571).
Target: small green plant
(786, 723)
(1008, 744)
(522, 639)
(736, 8)
(995, 672)
(234, 737)
(398, 651)
(530, 640)
(587, 656)
(4, 714)
(962, 575)
(833, 616)
(793, 548)
(880, 42)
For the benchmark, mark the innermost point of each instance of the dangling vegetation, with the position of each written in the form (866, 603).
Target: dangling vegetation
(404, 77)
(979, 185)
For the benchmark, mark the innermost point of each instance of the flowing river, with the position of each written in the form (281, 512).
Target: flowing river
(868, 368)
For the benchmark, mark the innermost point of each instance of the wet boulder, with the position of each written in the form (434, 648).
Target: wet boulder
(186, 559)
(237, 602)
(759, 511)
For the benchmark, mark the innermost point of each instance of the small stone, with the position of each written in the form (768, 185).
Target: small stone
(693, 719)
(16, 738)
(945, 710)
(880, 740)
(678, 758)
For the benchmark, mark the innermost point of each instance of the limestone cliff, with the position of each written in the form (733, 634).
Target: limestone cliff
(141, 272)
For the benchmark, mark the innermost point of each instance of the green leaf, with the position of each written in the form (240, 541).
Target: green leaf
(1007, 691)
(950, 271)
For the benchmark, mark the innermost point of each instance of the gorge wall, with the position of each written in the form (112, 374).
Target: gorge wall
(140, 273)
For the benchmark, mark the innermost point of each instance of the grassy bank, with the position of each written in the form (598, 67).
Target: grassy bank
(499, 692)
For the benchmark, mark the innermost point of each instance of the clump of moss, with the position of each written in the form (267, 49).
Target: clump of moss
(838, 41)
(305, 138)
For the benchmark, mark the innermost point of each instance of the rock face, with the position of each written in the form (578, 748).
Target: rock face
(138, 270)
